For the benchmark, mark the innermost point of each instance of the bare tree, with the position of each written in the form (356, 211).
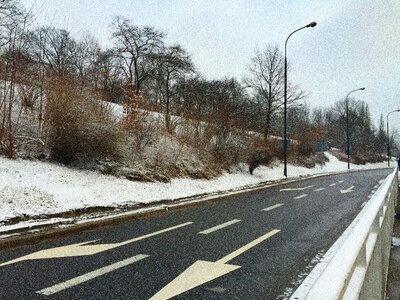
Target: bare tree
(173, 64)
(54, 48)
(12, 45)
(136, 45)
(266, 80)
(84, 56)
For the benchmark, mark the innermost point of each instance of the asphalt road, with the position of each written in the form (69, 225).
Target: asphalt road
(265, 243)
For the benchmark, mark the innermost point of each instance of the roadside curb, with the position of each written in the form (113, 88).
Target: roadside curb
(37, 233)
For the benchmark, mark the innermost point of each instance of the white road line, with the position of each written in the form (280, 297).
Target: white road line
(333, 184)
(341, 181)
(273, 207)
(89, 276)
(250, 245)
(82, 249)
(318, 190)
(301, 196)
(296, 189)
(218, 227)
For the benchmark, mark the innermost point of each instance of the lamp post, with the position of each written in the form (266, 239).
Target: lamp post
(388, 139)
(285, 144)
(347, 126)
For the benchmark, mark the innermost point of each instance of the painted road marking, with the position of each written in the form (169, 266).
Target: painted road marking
(341, 181)
(82, 249)
(301, 196)
(333, 184)
(91, 275)
(218, 227)
(204, 271)
(273, 207)
(318, 190)
(349, 190)
(296, 189)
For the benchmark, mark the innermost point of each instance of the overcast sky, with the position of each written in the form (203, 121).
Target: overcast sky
(355, 44)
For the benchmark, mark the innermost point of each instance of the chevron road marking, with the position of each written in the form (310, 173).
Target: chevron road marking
(82, 249)
(204, 271)
(349, 190)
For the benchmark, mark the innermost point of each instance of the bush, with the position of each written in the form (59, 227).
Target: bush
(80, 129)
(261, 154)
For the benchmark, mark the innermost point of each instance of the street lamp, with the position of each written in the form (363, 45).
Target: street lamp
(388, 139)
(347, 126)
(285, 144)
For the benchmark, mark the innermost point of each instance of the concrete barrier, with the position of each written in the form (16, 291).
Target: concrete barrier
(356, 266)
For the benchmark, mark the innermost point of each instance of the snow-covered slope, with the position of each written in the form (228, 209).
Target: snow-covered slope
(34, 188)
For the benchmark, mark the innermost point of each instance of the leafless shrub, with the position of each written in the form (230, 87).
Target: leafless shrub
(138, 128)
(80, 129)
(261, 153)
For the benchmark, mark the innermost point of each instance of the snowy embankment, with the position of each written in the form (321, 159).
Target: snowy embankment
(34, 188)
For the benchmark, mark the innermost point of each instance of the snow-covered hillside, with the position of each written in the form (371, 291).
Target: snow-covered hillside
(34, 188)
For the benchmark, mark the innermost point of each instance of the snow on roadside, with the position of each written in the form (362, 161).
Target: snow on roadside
(34, 188)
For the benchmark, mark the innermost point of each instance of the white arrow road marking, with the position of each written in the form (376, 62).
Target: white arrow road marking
(301, 196)
(218, 227)
(204, 271)
(318, 190)
(349, 190)
(296, 189)
(89, 276)
(273, 207)
(82, 249)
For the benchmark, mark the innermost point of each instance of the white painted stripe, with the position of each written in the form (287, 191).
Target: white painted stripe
(250, 245)
(89, 276)
(341, 181)
(318, 190)
(273, 207)
(301, 196)
(218, 227)
(333, 184)
(296, 189)
(154, 234)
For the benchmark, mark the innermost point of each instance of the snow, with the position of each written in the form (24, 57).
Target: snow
(35, 188)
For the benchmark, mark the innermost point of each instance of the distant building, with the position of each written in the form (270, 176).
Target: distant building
(320, 146)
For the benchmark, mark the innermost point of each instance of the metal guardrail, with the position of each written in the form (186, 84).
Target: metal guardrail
(356, 266)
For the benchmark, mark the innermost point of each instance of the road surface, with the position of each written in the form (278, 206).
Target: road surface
(258, 245)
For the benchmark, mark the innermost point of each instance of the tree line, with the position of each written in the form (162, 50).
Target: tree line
(142, 72)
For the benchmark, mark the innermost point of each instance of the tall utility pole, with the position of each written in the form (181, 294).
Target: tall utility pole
(285, 142)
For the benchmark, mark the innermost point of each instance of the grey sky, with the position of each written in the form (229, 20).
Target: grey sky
(355, 44)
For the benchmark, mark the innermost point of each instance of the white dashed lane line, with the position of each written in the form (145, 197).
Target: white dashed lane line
(89, 276)
(296, 189)
(219, 227)
(273, 207)
(301, 196)
(318, 190)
